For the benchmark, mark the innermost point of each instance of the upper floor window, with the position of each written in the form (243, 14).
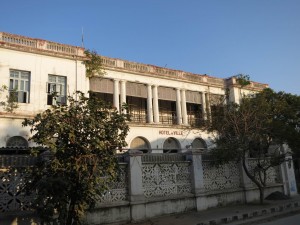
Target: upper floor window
(56, 89)
(19, 86)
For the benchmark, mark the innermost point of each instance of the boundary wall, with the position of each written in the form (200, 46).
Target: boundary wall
(151, 185)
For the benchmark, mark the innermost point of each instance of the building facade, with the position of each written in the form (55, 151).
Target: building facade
(32, 70)
(168, 109)
(167, 106)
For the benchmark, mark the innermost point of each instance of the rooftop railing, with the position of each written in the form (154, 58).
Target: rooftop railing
(160, 71)
(39, 44)
(69, 50)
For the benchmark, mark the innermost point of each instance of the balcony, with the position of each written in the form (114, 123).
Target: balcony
(138, 117)
(195, 121)
(168, 117)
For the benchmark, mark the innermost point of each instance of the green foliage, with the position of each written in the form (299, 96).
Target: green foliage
(11, 102)
(243, 79)
(93, 64)
(81, 138)
(268, 119)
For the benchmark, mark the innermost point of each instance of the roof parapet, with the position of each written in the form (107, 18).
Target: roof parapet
(119, 64)
(13, 40)
(231, 81)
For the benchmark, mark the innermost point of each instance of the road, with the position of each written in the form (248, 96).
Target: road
(289, 220)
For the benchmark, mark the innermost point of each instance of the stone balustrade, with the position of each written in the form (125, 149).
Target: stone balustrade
(12, 40)
(48, 47)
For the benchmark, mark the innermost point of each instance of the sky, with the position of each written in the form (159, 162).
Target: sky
(220, 38)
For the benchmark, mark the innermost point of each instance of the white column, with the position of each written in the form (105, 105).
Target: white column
(123, 92)
(204, 115)
(178, 107)
(183, 108)
(155, 104)
(116, 100)
(149, 104)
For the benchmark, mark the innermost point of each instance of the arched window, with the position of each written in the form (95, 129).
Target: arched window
(199, 143)
(17, 142)
(140, 143)
(171, 145)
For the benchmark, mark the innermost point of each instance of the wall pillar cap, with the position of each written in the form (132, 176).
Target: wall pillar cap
(134, 152)
(194, 152)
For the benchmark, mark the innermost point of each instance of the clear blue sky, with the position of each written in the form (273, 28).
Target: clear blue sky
(215, 37)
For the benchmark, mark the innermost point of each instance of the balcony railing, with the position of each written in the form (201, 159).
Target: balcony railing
(138, 116)
(195, 121)
(169, 117)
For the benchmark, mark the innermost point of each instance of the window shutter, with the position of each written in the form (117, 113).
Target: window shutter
(165, 93)
(136, 90)
(102, 85)
(193, 97)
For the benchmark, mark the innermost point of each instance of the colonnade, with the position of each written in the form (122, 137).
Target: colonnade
(119, 96)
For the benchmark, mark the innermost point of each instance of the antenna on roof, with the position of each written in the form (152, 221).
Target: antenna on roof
(82, 38)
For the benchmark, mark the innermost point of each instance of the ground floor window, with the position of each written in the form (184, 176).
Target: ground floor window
(199, 143)
(17, 142)
(171, 145)
(140, 143)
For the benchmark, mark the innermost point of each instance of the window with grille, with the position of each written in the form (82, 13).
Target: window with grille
(17, 141)
(56, 90)
(19, 86)
(171, 145)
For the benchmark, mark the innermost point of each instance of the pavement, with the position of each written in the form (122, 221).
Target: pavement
(233, 214)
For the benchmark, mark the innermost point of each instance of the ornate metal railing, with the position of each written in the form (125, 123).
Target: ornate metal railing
(138, 117)
(195, 121)
(158, 157)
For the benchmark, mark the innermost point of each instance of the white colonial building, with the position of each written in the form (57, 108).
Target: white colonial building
(167, 106)
(32, 69)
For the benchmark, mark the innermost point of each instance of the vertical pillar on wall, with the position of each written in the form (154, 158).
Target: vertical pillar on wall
(178, 107)
(203, 106)
(246, 183)
(123, 92)
(149, 104)
(197, 178)
(287, 174)
(135, 187)
(183, 108)
(155, 104)
(208, 109)
(116, 101)
(245, 180)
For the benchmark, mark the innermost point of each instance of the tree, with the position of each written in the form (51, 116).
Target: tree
(93, 64)
(82, 138)
(11, 102)
(250, 128)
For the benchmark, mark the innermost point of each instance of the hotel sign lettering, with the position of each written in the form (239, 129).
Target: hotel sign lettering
(170, 132)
